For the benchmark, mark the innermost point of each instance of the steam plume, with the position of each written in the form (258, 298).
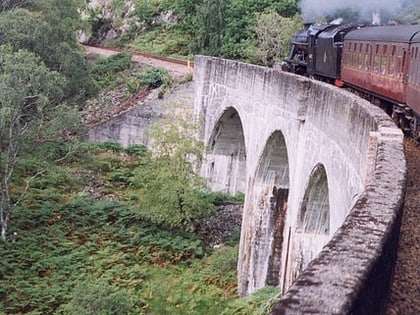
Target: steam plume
(313, 9)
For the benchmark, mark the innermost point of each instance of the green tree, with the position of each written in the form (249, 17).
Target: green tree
(12, 4)
(273, 34)
(241, 14)
(28, 89)
(211, 23)
(170, 192)
(48, 29)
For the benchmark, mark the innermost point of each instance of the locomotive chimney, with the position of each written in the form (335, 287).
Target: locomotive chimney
(376, 17)
(306, 25)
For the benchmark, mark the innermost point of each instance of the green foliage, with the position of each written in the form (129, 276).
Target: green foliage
(196, 290)
(154, 77)
(105, 70)
(112, 64)
(168, 40)
(136, 149)
(240, 15)
(272, 40)
(77, 254)
(48, 29)
(259, 303)
(219, 198)
(409, 13)
(146, 10)
(98, 298)
(170, 193)
(29, 90)
(211, 22)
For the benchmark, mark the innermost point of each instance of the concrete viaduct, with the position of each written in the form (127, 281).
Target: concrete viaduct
(323, 173)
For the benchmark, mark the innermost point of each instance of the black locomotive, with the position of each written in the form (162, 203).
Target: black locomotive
(380, 63)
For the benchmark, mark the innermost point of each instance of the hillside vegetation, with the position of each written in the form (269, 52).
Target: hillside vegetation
(252, 30)
(98, 228)
(257, 31)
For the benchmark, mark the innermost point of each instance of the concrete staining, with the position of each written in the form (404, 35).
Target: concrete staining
(132, 126)
(318, 166)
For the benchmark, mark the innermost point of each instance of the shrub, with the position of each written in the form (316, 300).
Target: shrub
(259, 303)
(154, 77)
(136, 149)
(98, 298)
(106, 70)
(112, 64)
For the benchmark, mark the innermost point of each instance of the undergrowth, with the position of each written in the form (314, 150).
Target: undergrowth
(79, 251)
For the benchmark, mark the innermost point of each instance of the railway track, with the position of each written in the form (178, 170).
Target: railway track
(405, 290)
(177, 67)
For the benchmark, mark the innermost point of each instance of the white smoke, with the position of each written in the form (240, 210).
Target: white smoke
(314, 9)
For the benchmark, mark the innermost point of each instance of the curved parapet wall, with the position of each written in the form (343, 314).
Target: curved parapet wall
(319, 167)
(352, 273)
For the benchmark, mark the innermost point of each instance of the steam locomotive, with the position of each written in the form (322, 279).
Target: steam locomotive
(379, 63)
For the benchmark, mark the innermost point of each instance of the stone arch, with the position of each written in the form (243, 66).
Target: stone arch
(227, 157)
(272, 179)
(313, 221)
(314, 213)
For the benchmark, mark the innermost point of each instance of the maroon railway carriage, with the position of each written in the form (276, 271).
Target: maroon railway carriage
(379, 60)
(413, 85)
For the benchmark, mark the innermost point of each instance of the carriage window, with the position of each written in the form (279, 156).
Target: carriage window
(384, 60)
(391, 65)
(376, 62)
(366, 62)
(354, 59)
(399, 61)
(360, 61)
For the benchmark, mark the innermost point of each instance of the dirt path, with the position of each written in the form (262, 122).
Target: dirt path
(177, 70)
(405, 290)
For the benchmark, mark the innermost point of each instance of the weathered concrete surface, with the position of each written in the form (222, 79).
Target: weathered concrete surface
(131, 127)
(322, 148)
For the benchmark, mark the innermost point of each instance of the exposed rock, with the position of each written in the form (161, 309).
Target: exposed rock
(216, 229)
(111, 21)
(167, 18)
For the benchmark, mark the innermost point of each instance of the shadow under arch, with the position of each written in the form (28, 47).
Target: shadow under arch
(227, 165)
(314, 213)
(313, 222)
(272, 178)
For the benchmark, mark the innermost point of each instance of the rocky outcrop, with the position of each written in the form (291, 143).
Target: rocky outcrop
(109, 19)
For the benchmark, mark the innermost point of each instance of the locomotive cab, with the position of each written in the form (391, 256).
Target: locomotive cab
(316, 51)
(300, 60)
(328, 52)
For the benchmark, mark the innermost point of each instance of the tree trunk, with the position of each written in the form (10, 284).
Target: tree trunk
(3, 229)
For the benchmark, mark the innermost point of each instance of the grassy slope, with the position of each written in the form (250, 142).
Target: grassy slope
(66, 237)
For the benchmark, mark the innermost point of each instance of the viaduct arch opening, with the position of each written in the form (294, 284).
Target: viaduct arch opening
(227, 167)
(314, 215)
(313, 221)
